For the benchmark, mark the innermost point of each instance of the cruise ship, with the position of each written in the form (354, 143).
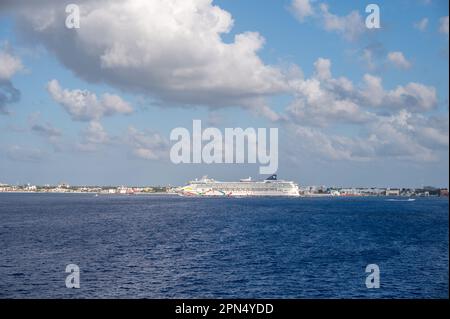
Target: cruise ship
(245, 187)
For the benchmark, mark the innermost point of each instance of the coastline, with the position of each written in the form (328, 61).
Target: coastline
(92, 193)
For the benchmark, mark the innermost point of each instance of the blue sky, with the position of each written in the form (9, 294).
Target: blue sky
(310, 68)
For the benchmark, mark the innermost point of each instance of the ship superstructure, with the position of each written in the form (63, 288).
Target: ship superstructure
(245, 187)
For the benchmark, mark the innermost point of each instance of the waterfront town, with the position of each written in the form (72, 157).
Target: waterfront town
(307, 191)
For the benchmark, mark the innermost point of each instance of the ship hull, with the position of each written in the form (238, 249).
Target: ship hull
(236, 194)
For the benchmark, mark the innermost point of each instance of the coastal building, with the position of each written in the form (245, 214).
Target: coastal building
(392, 192)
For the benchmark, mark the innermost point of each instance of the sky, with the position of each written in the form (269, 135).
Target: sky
(95, 105)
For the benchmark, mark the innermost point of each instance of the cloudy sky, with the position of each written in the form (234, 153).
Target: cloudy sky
(95, 105)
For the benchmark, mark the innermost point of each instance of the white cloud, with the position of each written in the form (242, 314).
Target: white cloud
(168, 49)
(351, 26)
(422, 24)
(83, 105)
(322, 67)
(302, 9)
(414, 97)
(443, 26)
(147, 145)
(391, 123)
(372, 91)
(324, 100)
(330, 147)
(173, 50)
(403, 136)
(9, 65)
(398, 59)
(433, 132)
(95, 134)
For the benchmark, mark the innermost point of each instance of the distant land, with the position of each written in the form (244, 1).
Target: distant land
(168, 189)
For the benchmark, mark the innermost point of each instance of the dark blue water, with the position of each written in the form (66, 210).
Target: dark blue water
(168, 246)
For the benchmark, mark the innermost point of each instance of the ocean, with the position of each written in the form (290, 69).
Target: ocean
(162, 246)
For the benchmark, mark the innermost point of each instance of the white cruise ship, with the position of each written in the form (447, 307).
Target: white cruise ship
(245, 187)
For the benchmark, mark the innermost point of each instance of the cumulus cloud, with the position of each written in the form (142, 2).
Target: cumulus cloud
(173, 51)
(95, 133)
(351, 26)
(322, 67)
(406, 135)
(322, 99)
(83, 105)
(302, 9)
(9, 65)
(415, 97)
(92, 136)
(398, 60)
(147, 145)
(422, 24)
(329, 146)
(402, 136)
(169, 49)
(443, 25)
(392, 123)
(432, 132)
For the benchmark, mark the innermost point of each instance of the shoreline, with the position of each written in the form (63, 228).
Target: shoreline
(311, 196)
(92, 193)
